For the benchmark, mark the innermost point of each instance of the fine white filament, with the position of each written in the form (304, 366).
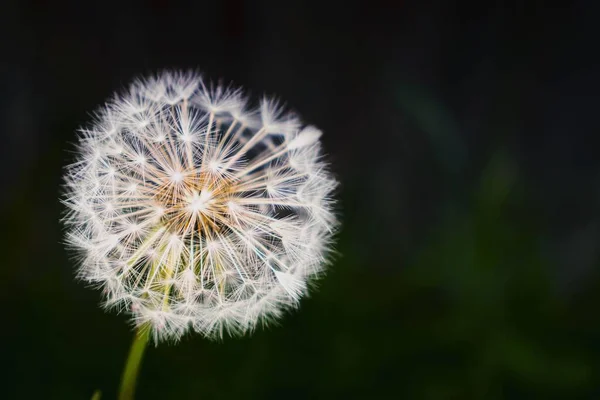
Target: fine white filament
(194, 212)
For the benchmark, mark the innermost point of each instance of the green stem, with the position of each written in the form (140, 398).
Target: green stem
(97, 395)
(134, 360)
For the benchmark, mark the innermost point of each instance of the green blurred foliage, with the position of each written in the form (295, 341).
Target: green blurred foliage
(497, 308)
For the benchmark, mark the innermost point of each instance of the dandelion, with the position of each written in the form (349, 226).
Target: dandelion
(193, 212)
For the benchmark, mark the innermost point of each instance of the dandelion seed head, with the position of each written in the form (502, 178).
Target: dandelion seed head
(193, 212)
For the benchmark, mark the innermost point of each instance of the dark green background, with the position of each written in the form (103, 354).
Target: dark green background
(464, 140)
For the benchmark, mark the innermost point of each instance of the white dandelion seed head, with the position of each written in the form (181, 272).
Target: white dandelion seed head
(193, 212)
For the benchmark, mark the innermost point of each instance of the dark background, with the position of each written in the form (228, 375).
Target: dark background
(464, 137)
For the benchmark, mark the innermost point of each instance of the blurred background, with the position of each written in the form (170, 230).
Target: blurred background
(463, 137)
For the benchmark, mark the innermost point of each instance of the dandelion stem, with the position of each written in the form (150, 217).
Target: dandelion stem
(132, 366)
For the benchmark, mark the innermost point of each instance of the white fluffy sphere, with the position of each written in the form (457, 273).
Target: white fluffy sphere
(192, 211)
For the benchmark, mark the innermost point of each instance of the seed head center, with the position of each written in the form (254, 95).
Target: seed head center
(199, 202)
